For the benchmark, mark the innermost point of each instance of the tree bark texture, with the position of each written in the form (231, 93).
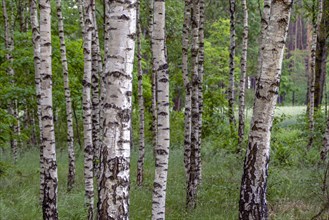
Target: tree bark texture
(37, 60)
(195, 149)
(49, 206)
(95, 74)
(187, 85)
(243, 75)
(87, 111)
(201, 73)
(114, 183)
(321, 55)
(160, 67)
(140, 162)
(230, 91)
(69, 118)
(253, 203)
(316, 23)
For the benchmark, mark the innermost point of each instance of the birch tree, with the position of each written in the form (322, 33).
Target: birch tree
(69, 118)
(243, 74)
(86, 99)
(37, 60)
(140, 162)
(195, 149)
(253, 203)
(160, 66)
(316, 21)
(187, 85)
(96, 70)
(230, 90)
(113, 201)
(49, 205)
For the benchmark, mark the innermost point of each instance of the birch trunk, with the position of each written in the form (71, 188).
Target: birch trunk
(36, 50)
(195, 149)
(232, 67)
(160, 67)
(49, 206)
(113, 202)
(87, 123)
(253, 203)
(95, 71)
(69, 118)
(187, 85)
(316, 22)
(9, 45)
(243, 75)
(154, 80)
(201, 73)
(140, 162)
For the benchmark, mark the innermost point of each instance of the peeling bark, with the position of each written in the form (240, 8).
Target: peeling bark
(114, 183)
(253, 203)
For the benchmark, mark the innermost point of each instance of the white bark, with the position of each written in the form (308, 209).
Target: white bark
(253, 203)
(48, 134)
(187, 85)
(113, 202)
(243, 75)
(86, 99)
(69, 118)
(160, 66)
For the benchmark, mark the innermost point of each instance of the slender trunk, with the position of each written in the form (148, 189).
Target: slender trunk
(160, 67)
(154, 80)
(140, 166)
(69, 118)
(48, 134)
(187, 85)
(316, 22)
(201, 73)
(87, 122)
(232, 67)
(195, 149)
(9, 45)
(113, 202)
(95, 93)
(253, 203)
(243, 74)
(321, 55)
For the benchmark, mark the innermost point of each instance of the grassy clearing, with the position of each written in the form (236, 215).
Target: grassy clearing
(294, 184)
(291, 191)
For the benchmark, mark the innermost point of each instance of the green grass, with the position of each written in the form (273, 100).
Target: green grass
(294, 184)
(290, 190)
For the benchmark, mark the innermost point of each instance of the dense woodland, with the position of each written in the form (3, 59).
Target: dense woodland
(139, 109)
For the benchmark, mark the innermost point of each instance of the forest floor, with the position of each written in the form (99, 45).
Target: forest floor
(294, 184)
